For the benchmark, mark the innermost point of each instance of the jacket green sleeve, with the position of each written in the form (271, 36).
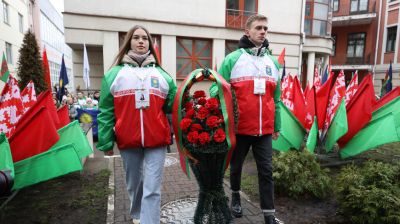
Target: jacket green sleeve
(172, 90)
(226, 69)
(106, 117)
(277, 100)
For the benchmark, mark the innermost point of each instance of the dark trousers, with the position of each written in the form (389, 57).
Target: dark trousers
(262, 151)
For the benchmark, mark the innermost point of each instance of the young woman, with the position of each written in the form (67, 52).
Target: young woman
(136, 94)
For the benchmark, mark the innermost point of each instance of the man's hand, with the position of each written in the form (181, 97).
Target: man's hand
(109, 153)
(275, 135)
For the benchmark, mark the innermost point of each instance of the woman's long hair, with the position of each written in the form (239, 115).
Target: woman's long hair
(126, 46)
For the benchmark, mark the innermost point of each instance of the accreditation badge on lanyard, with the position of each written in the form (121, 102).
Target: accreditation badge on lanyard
(259, 86)
(142, 93)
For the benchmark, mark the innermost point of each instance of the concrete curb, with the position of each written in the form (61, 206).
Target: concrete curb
(111, 197)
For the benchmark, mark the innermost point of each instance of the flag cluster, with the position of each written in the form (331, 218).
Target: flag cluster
(329, 113)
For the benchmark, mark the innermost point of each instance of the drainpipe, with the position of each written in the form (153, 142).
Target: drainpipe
(377, 40)
(302, 36)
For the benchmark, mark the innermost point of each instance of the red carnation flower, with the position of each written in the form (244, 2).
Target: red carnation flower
(202, 113)
(190, 113)
(202, 101)
(212, 104)
(185, 123)
(193, 137)
(188, 105)
(196, 127)
(213, 121)
(204, 138)
(199, 93)
(219, 135)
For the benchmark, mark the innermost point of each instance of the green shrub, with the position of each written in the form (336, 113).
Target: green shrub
(299, 174)
(370, 194)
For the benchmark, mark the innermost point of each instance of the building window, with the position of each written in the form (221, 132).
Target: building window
(355, 47)
(192, 54)
(318, 18)
(237, 12)
(335, 5)
(230, 46)
(9, 53)
(358, 6)
(21, 23)
(334, 39)
(391, 39)
(5, 13)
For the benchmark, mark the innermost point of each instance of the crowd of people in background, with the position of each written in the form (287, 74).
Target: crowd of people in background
(78, 101)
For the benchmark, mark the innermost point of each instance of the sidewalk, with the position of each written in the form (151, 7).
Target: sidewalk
(178, 197)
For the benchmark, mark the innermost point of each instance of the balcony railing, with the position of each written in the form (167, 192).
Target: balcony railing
(237, 18)
(364, 60)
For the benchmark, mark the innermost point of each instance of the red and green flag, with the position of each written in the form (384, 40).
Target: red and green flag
(4, 72)
(338, 126)
(292, 131)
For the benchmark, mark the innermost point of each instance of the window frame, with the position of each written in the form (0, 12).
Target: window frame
(194, 59)
(228, 49)
(334, 40)
(391, 28)
(333, 5)
(355, 59)
(9, 53)
(21, 22)
(231, 14)
(311, 19)
(358, 11)
(6, 13)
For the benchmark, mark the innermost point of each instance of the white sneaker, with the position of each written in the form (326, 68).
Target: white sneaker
(136, 221)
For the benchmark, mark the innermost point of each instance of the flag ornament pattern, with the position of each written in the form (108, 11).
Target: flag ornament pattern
(28, 96)
(352, 88)
(336, 95)
(317, 79)
(11, 107)
(287, 92)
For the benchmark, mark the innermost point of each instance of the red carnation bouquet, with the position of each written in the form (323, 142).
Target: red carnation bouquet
(202, 124)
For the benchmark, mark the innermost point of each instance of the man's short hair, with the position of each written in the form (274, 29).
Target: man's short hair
(253, 18)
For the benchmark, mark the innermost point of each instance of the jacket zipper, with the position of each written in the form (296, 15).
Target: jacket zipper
(260, 115)
(141, 127)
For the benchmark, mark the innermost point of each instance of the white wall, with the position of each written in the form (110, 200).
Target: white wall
(204, 12)
(10, 33)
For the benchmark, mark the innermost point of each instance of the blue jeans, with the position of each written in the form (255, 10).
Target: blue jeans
(262, 151)
(144, 171)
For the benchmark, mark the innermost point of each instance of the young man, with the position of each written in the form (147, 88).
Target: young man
(254, 76)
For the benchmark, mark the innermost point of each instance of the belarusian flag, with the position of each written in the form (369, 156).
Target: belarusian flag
(359, 109)
(35, 133)
(6, 162)
(4, 72)
(312, 136)
(352, 87)
(310, 109)
(11, 107)
(62, 158)
(335, 97)
(292, 132)
(299, 105)
(383, 128)
(338, 126)
(63, 116)
(46, 69)
(287, 92)
(322, 100)
(28, 96)
(387, 98)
